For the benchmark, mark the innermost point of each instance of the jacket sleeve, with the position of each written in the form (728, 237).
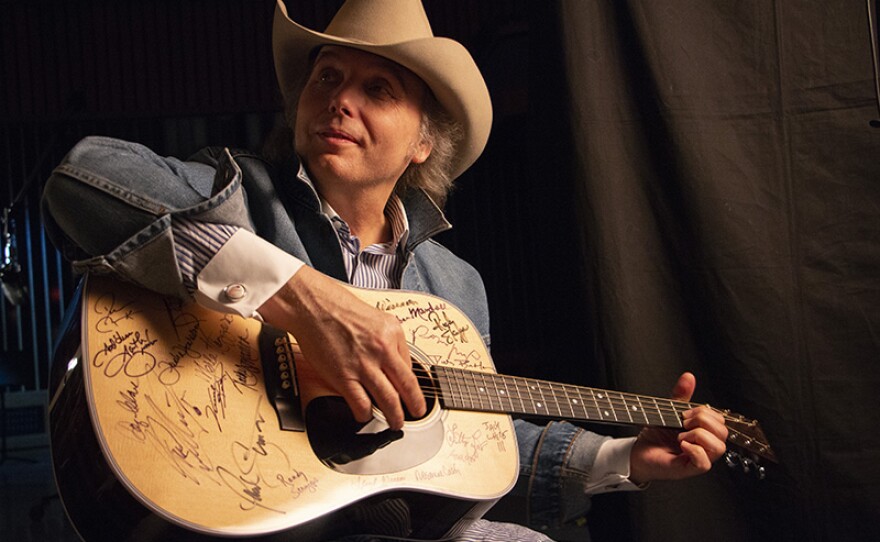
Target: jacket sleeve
(109, 207)
(555, 464)
(562, 465)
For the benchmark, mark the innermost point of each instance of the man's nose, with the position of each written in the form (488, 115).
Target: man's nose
(344, 101)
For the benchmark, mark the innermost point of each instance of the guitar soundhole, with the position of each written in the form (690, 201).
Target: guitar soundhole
(429, 389)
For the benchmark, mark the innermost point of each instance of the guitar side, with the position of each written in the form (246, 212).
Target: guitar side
(164, 430)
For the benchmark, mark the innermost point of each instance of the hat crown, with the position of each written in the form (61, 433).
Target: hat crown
(381, 21)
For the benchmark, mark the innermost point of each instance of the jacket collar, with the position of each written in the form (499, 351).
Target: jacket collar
(425, 218)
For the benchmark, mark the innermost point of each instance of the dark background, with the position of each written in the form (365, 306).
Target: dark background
(668, 186)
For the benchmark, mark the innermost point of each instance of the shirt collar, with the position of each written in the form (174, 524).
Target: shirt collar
(395, 212)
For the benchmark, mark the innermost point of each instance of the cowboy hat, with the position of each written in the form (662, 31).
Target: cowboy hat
(399, 31)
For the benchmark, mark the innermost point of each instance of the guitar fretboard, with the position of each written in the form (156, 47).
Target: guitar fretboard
(488, 392)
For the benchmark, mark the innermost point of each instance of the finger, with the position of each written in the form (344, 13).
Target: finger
(358, 400)
(684, 388)
(708, 419)
(712, 446)
(386, 397)
(406, 382)
(697, 457)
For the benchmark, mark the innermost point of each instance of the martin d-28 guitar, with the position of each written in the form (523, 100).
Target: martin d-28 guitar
(174, 422)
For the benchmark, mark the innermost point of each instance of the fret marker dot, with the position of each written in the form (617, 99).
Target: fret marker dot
(539, 405)
(607, 413)
(601, 396)
(482, 389)
(635, 408)
(575, 401)
(501, 392)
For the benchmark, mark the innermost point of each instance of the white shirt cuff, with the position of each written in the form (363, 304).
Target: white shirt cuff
(610, 470)
(243, 274)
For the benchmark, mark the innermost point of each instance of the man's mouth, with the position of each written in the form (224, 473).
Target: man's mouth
(332, 135)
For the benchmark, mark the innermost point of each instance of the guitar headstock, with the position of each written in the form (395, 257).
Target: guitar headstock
(749, 444)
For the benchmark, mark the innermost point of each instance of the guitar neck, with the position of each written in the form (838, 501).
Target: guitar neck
(461, 389)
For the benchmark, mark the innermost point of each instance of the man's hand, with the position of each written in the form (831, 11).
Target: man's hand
(358, 350)
(663, 454)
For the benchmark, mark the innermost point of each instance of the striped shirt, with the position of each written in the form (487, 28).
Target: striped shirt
(377, 266)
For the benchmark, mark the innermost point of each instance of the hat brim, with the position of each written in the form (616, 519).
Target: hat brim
(443, 64)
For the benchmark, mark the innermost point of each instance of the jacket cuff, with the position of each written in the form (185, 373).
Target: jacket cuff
(561, 466)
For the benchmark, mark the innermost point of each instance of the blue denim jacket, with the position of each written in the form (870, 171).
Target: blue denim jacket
(129, 195)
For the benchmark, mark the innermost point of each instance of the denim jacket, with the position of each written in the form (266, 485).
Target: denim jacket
(130, 194)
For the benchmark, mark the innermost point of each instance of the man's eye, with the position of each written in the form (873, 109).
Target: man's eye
(326, 76)
(380, 90)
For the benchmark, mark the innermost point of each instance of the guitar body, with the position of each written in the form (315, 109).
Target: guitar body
(175, 424)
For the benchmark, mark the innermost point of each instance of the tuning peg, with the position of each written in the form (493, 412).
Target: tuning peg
(735, 459)
(731, 458)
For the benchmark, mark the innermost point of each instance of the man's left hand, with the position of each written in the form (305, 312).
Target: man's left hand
(663, 454)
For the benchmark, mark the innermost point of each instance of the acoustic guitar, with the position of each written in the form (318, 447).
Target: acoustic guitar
(172, 422)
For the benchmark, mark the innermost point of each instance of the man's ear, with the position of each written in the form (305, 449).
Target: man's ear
(421, 152)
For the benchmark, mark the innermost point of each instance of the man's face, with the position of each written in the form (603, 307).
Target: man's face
(358, 120)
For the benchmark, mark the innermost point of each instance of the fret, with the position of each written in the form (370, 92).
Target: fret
(465, 398)
(571, 403)
(526, 395)
(604, 395)
(480, 390)
(553, 402)
(503, 393)
(538, 406)
(625, 407)
(642, 409)
(677, 414)
(591, 412)
(522, 404)
(493, 392)
(531, 407)
(659, 412)
(451, 389)
(606, 411)
(599, 415)
(635, 409)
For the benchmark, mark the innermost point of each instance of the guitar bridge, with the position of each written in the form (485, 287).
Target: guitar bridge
(279, 372)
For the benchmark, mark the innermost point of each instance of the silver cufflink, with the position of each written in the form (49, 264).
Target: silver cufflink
(235, 292)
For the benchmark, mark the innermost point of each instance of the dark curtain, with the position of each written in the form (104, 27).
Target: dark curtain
(730, 194)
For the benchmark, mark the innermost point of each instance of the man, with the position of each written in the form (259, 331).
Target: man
(383, 116)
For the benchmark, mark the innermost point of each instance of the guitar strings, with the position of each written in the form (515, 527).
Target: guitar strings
(561, 394)
(617, 401)
(474, 396)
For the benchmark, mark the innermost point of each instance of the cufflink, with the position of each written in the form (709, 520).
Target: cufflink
(235, 292)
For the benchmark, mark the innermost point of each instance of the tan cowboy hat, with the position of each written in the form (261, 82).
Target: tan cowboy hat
(399, 31)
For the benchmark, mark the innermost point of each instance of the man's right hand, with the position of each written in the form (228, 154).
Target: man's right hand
(358, 350)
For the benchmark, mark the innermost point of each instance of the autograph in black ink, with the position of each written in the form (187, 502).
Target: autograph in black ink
(109, 314)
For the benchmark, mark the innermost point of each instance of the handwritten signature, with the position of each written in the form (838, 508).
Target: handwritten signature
(128, 353)
(109, 314)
